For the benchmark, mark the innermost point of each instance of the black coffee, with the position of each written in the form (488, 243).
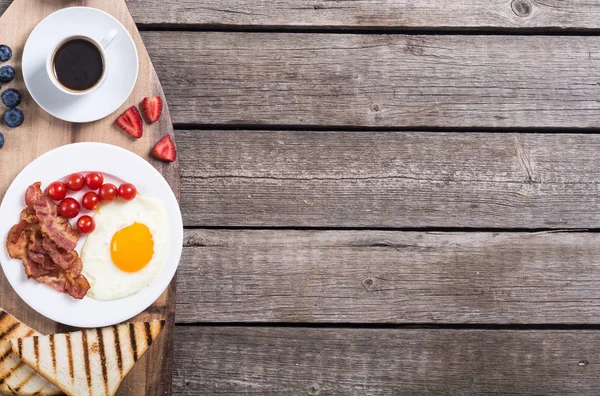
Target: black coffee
(78, 64)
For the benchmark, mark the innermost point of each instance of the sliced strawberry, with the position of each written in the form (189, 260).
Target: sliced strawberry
(165, 149)
(152, 108)
(131, 122)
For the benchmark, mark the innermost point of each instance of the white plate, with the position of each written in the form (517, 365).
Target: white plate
(118, 165)
(121, 59)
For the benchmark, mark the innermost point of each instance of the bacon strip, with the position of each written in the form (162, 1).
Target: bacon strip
(45, 242)
(68, 261)
(60, 281)
(56, 227)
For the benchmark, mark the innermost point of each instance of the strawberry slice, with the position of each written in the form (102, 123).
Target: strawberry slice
(131, 122)
(165, 149)
(152, 108)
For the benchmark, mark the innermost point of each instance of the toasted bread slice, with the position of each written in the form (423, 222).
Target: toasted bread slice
(90, 362)
(17, 378)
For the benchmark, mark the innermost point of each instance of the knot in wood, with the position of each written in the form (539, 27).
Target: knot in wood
(583, 363)
(368, 282)
(314, 390)
(522, 8)
(374, 108)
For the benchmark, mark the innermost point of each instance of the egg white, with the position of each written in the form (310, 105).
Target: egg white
(107, 281)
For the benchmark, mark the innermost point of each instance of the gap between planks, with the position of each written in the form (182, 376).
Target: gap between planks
(398, 326)
(358, 128)
(369, 30)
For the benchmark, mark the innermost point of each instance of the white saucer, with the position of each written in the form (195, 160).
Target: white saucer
(122, 64)
(123, 166)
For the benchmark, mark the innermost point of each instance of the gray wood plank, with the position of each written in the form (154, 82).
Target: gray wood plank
(464, 14)
(388, 277)
(372, 13)
(378, 80)
(305, 361)
(389, 179)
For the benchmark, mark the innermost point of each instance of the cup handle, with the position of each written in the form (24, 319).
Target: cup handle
(109, 38)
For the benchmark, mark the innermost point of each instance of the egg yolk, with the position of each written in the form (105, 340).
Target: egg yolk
(132, 248)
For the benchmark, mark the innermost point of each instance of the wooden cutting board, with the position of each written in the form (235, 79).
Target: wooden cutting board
(41, 132)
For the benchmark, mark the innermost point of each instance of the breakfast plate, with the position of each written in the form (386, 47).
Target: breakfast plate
(121, 64)
(118, 166)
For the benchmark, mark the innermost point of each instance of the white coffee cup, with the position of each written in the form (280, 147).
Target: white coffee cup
(102, 46)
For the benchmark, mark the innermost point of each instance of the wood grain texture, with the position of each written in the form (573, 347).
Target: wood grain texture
(389, 277)
(422, 14)
(379, 80)
(305, 361)
(389, 179)
(41, 133)
(463, 14)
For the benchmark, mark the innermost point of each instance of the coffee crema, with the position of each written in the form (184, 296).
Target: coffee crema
(78, 64)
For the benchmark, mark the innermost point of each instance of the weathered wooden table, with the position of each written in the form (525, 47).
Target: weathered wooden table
(385, 196)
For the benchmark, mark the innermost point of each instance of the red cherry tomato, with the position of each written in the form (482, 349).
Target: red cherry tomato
(85, 224)
(69, 208)
(94, 180)
(127, 191)
(75, 182)
(108, 192)
(57, 191)
(90, 200)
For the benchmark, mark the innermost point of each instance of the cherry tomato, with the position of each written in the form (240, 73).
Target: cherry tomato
(57, 191)
(108, 192)
(94, 180)
(90, 200)
(75, 182)
(69, 208)
(85, 224)
(127, 191)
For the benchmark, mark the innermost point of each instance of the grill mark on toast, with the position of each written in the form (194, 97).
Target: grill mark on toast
(36, 350)
(20, 346)
(29, 334)
(86, 359)
(148, 333)
(3, 314)
(70, 356)
(24, 382)
(53, 352)
(43, 388)
(8, 331)
(118, 349)
(103, 359)
(11, 372)
(5, 356)
(133, 343)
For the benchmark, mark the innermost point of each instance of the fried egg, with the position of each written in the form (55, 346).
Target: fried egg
(127, 250)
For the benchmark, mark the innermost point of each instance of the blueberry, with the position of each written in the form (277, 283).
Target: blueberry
(13, 117)
(7, 73)
(1, 140)
(5, 53)
(11, 97)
